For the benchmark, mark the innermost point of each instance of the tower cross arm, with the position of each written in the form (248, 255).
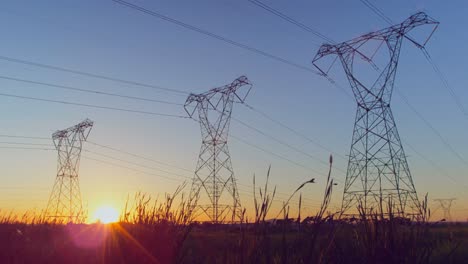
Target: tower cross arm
(191, 104)
(194, 100)
(397, 30)
(78, 127)
(83, 127)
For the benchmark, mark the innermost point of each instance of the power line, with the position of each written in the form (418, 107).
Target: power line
(91, 106)
(435, 166)
(282, 142)
(315, 142)
(245, 192)
(137, 164)
(153, 168)
(153, 13)
(207, 33)
(388, 20)
(139, 156)
(213, 35)
(14, 136)
(24, 188)
(92, 91)
(26, 148)
(132, 163)
(132, 169)
(277, 155)
(92, 75)
(377, 11)
(442, 77)
(290, 20)
(21, 143)
(428, 57)
(306, 28)
(316, 33)
(96, 153)
(272, 153)
(260, 4)
(435, 67)
(280, 157)
(301, 25)
(119, 95)
(67, 70)
(151, 160)
(382, 15)
(88, 90)
(434, 130)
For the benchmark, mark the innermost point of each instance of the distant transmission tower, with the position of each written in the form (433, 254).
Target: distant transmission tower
(65, 203)
(446, 205)
(214, 190)
(377, 167)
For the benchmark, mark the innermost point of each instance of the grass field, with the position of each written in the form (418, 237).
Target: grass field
(166, 243)
(160, 232)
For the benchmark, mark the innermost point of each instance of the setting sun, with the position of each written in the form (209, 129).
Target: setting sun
(106, 215)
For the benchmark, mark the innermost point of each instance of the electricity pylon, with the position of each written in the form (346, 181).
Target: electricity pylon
(214, 190)
(377, 168)
(65, 203)
(446, 205)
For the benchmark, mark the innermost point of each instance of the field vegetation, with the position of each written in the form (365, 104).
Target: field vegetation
(162, 231)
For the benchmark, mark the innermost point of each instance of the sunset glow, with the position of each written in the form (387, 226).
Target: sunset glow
(105, 215)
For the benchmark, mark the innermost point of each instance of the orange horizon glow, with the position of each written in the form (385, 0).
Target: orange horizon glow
(105, 214)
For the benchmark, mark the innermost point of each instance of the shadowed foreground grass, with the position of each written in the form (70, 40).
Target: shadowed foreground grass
(163, 243)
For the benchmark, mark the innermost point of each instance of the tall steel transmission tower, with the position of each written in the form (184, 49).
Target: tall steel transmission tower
(377, 167)
(214, 190)
(446, 205)
(65, 203)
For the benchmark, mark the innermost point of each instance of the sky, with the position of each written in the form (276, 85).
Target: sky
(103, 37)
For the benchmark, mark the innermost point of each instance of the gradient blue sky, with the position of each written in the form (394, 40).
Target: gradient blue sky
(106, 38)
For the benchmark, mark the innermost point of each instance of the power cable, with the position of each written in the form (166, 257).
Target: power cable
(153, 168)
(426, 54)
(138, 156)
(88, 74)
(283, 143)
(91, 106)
(277, 155)
(377, 11)
(442, 77)
(435, 166)
(245, 192)
(382, 15)
(433, 129)
(88, 90)
(140, 165)
(14, 136)
(22, 143)
(26, 148)
(290, 20)
(313, 141)
(213, 35)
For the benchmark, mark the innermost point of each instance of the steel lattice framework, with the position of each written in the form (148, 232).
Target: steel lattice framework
(446, 205)
(214, 173)
(377, 168)
(65, 203)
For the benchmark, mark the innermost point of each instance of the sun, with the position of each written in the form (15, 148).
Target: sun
(106, 215)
